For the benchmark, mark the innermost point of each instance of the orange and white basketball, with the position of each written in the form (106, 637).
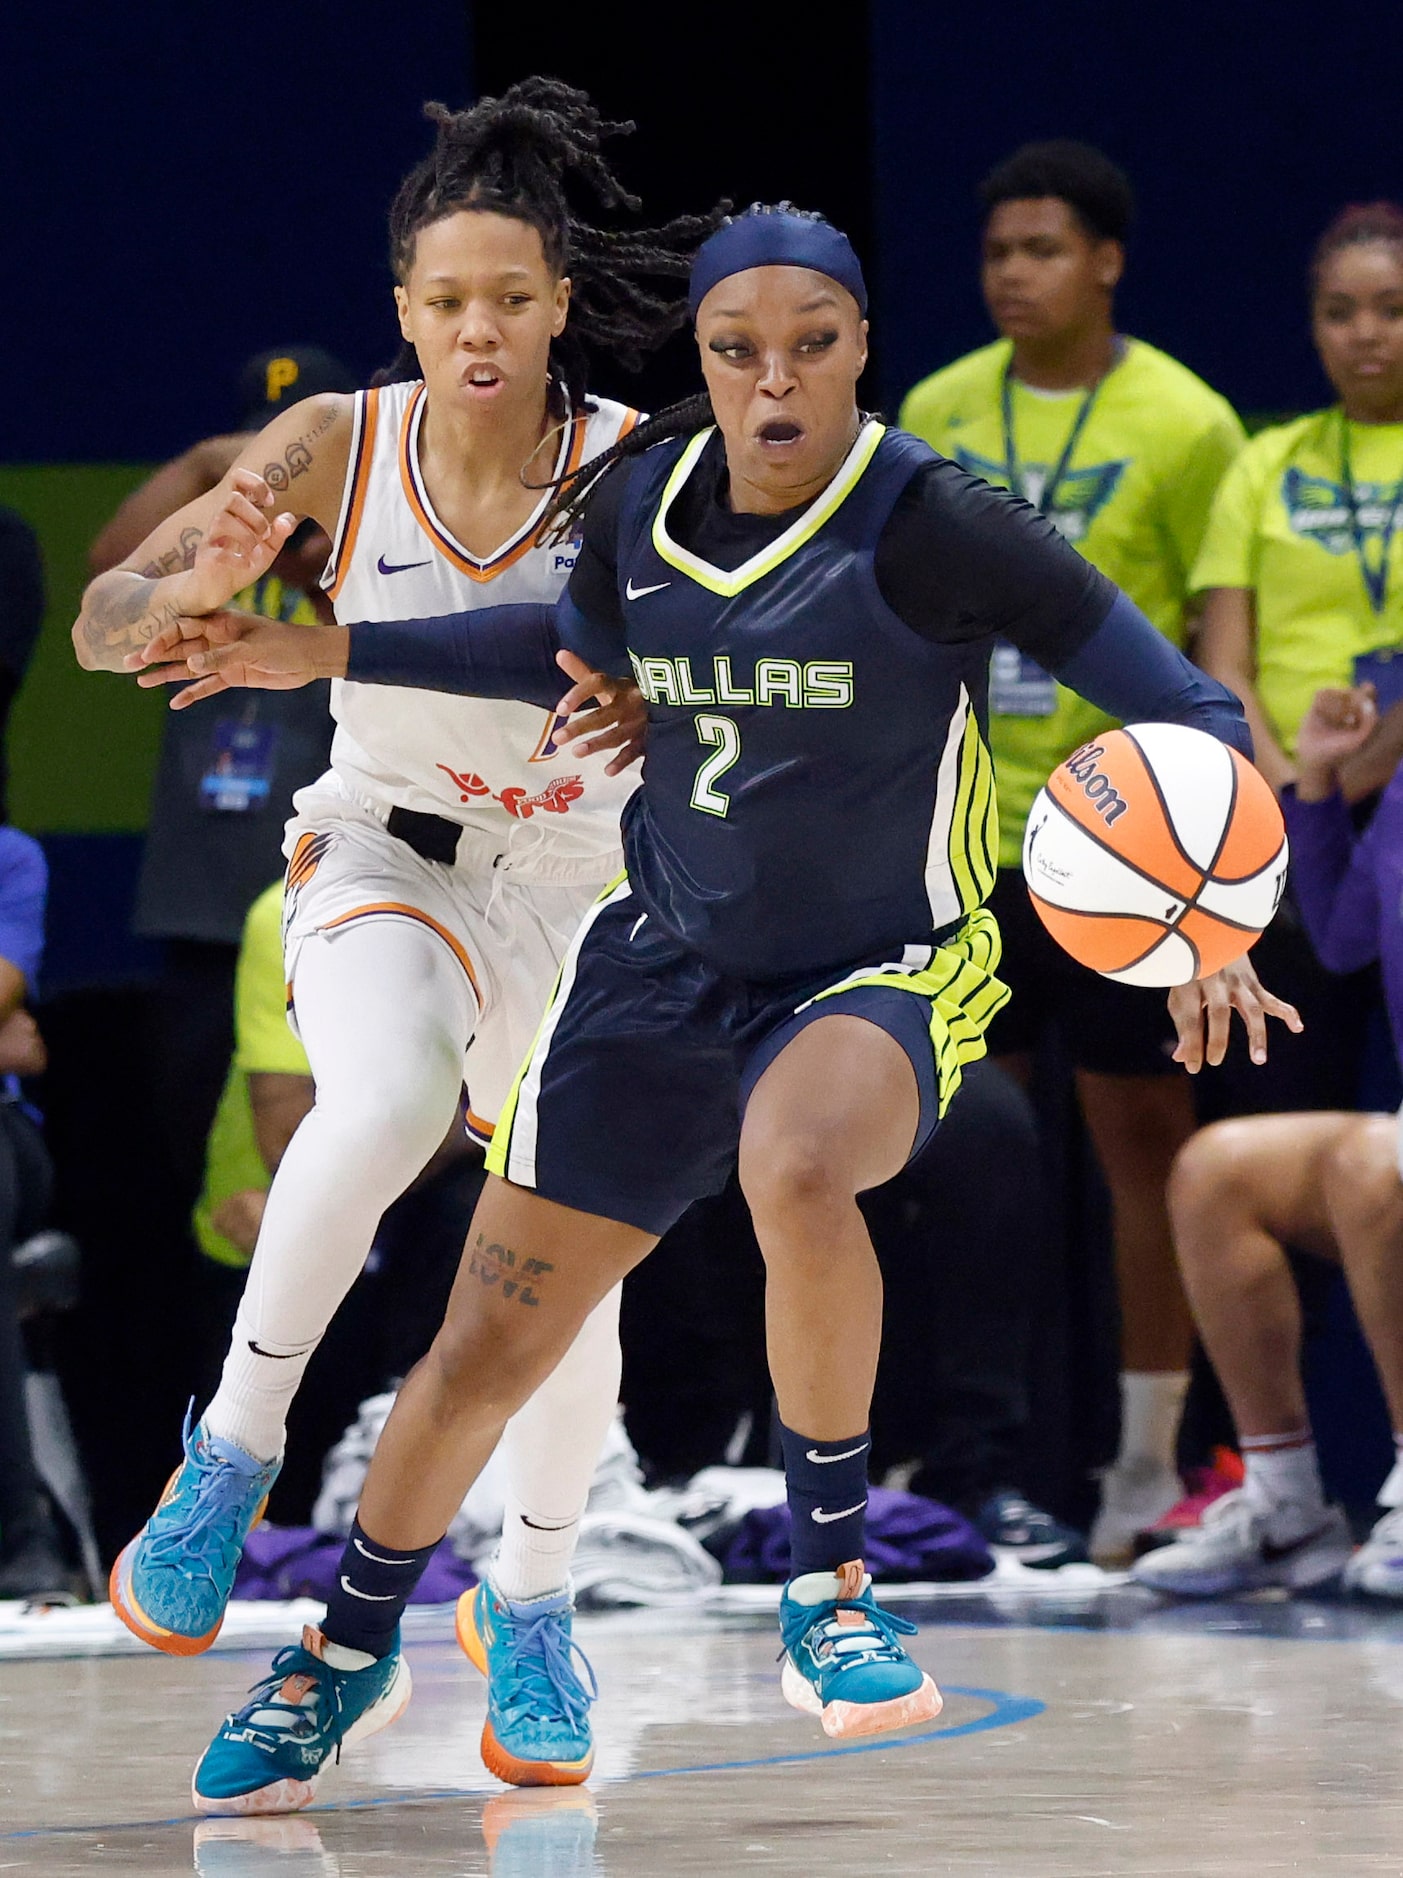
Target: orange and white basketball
(1155, 854)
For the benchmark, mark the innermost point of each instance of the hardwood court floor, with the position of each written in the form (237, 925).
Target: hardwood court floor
(1081, 1739)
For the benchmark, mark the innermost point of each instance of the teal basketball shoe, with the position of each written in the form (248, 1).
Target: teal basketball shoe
(268, 1755)
(537, 1732)
(170, 1585)
(842, 1660)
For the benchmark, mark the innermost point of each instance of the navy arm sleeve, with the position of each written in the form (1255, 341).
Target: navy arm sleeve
(960, 560)
(1132, 672)
(493, 652)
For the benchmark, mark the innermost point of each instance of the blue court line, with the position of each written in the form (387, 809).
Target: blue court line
(1005, 1712)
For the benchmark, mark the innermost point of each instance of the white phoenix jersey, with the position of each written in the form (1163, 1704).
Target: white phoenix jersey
(489, 764)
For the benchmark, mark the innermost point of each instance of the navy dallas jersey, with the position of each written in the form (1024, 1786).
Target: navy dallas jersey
(817, 784)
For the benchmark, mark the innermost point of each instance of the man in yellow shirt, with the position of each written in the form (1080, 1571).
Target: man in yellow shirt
(1123, 448)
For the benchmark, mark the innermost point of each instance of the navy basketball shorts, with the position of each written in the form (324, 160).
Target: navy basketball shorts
(630, 1103)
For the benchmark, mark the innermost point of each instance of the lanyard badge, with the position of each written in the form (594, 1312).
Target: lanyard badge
(1375, 578)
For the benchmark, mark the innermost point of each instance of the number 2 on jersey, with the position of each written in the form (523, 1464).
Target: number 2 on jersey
(722, 734)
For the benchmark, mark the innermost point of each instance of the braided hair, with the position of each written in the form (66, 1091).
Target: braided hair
(534, 154)
(682, 419)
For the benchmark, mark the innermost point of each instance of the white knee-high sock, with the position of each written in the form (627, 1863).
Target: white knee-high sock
(552, 1448)
(385, 1013)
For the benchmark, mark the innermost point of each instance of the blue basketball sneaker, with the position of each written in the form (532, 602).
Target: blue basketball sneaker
(171, 1584)
(537, 1731)
(842, 1661)
(267, 1756)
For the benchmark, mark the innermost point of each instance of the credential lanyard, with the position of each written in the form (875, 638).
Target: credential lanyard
(1375, 578)
(1013, 471)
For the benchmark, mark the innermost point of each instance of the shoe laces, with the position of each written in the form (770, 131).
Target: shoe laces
(279, 1718)
(540, 1659)
(874, 1640)
(203, 1538)
(1389, 1529)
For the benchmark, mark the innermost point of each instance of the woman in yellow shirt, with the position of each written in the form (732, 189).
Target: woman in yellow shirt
(1297, 562)
(1304, 589)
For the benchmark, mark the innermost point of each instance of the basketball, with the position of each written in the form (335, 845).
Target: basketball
(1155, 854)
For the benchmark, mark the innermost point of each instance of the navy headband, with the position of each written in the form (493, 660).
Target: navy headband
(775, 239)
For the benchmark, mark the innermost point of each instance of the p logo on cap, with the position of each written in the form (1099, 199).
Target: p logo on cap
(280, 376)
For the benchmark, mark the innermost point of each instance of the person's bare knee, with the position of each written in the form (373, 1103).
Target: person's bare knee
(1363, 1191)
(791, 1173)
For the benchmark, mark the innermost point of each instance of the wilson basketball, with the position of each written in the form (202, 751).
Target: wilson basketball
(1155, 854)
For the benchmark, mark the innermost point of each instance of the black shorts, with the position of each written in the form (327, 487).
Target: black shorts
(631, 1101)
(1108, 1028)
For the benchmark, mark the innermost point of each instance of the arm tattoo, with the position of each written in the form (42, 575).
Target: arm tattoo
(297, 458)
(176, 560)
(497, 1265)
(117, 618)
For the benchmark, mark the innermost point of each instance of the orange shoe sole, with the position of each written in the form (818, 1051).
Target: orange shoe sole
(495, 1758)
(168, 1642)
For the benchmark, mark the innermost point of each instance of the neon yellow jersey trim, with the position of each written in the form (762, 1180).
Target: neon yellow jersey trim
(728, 585)
(964, 994)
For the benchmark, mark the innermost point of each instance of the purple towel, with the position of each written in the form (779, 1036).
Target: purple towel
(299, 1562)
(908, 1538)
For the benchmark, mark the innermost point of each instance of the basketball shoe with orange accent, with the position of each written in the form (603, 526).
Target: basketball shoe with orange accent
(170, 1586)
(537, 1732)
(316, 1700)
(842, 1660)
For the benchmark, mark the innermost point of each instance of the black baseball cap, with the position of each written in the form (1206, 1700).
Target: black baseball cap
(283, 376)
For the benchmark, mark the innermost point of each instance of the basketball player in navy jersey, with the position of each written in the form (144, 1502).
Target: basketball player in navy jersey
(795, 966)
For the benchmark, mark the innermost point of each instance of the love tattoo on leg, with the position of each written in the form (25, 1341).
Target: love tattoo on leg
(519, 1277)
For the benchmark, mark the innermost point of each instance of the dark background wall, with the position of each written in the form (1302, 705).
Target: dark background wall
(183, 188)
(1243, 127)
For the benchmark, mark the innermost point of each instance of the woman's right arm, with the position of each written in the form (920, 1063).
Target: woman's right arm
(196, 560)
(1226, 648)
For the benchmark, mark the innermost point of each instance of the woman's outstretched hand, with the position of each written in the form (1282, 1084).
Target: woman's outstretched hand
(618, 721)
(224, 651)
(1207, 1005)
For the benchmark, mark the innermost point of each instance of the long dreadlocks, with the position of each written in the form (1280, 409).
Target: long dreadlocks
(533, 154)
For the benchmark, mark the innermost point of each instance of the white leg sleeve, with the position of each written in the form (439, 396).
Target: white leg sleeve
(385, 1013)
(552, 1446)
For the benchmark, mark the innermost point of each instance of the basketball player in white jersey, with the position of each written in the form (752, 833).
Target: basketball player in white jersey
(439, 868)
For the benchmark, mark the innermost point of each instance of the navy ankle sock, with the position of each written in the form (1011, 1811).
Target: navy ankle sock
(373, 1585)
(827, 1487)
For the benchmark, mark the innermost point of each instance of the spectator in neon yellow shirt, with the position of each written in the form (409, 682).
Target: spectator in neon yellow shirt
(1123, 447)
(1300, 565)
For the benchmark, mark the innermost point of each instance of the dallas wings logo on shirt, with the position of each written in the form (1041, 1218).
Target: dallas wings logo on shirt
(1079, 497)
(1318, 510)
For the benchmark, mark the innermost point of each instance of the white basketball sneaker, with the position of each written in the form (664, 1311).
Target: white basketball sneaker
(1233, 1550)
(1377, 1567)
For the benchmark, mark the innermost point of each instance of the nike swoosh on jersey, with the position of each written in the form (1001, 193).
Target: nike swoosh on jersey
(820, 1518)
(397, 567)
(370, 1597)
(636, 593)
(827, 1460)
